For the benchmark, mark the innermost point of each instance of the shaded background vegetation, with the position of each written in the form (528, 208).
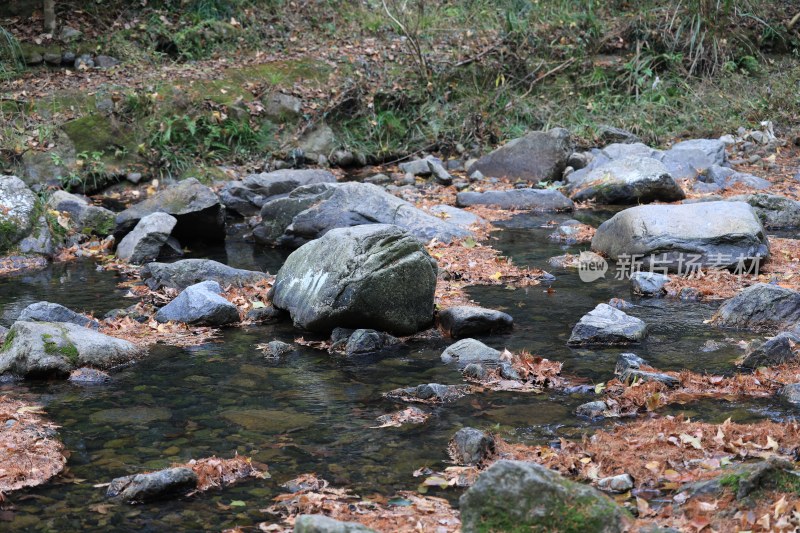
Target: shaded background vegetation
(460, 75)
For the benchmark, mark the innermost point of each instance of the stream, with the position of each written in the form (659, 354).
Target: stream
(313, 412)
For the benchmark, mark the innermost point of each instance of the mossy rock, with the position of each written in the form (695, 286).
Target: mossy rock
(18, 207)
(515, 496)
(99, 133)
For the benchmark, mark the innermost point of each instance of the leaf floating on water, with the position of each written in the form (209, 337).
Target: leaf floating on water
(238, 503)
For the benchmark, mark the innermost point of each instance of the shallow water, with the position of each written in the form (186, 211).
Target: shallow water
(312, 412)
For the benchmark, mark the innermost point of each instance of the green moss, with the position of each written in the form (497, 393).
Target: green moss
(9, 235)
(570, 516)
(787, 482)
(731, 481)
(8, 340)
(99, 133)
(65, 348)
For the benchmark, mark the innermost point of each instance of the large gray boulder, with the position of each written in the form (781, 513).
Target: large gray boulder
(468, 351)
(196, 207)
(311, 211)
(248, 196)
(607, 325)
(780, 349)
(41, 349)
(17, 209)
(50, 312)
(538, 156)
(186, 272)
(165, 483)
(524, 496)
(629, 180)
(717, 234)
(317, 523)
(531, 199)
(466, 320)
(200, 305)
(145, 242)
(761, 307)
(372, 276)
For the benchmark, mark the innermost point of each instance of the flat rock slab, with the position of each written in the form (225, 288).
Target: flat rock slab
(317, 523)
(186, 272)
(374, 276)
(677, 237)
(529, 199)
(50, 312)
(607, 325)
(41, 349)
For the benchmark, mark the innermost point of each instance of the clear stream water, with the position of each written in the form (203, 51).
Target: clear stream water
(312, 412)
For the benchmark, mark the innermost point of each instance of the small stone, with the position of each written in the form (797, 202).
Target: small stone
(649, 283)
(470, 351)
(69, 34)
(275, 349)
(619, 484)
(470, 446)
(592, 409)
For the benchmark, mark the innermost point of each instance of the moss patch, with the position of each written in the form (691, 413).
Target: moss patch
(65, 348)
(8, 340)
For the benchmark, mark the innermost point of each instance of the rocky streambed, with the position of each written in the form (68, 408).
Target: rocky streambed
(335, 392)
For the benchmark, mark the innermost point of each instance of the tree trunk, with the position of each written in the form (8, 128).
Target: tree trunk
(50, 16)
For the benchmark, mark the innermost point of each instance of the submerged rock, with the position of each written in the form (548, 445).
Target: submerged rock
(196, 207)
(761, 307)
(465, 320)
(317, 523)
(538, 156)
(200, 305)
(607, 325)
(532, 199)
(153, 486)
(468, 351)
(517, 495)
(181, 274)
(428, 393)
(41, 349)
(368, 276)
(50, 312)
(470, 446)
(144, 243)
(310, 212)
(88, 376)
(716, 234)
(275, 349)
(594, 409)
